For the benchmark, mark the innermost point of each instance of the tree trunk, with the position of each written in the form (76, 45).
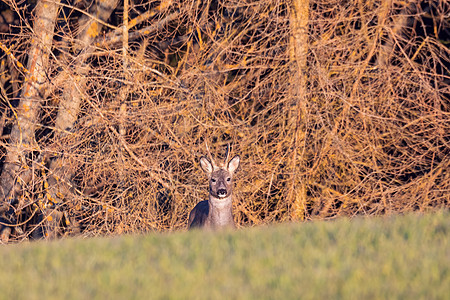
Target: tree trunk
(60, 176)
(298, 50)
(22, 140)
(395, 29)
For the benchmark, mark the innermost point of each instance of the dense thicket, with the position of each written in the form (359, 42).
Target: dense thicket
(359, 124)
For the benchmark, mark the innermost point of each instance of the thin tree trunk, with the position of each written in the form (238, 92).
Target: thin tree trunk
(298, 50)
(89, 30)
(22, 140)
(121, 100)
(60, 176)
(395, 29)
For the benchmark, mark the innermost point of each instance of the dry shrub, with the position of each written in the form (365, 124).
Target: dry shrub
(375, 131)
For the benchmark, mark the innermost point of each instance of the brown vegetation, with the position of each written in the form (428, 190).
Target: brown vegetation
(344, 113)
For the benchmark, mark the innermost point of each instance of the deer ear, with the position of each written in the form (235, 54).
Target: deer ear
(234, 164)
(206, 165)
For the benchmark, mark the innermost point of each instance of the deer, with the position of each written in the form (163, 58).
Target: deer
(216, 212)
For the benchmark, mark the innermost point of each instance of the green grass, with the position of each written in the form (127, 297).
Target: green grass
(402, 257)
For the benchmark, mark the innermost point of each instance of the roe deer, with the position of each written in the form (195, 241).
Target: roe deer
(216, 212)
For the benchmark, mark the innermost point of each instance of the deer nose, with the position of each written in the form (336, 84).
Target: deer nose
(221, 192)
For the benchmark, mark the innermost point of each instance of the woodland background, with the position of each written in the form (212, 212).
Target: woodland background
(337, 108)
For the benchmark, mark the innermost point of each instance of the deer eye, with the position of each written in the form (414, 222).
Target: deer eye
(228, 179)
(213, 180)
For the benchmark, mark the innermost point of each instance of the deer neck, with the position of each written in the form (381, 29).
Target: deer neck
(220, 211)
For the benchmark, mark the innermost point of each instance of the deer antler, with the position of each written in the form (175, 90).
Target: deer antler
(210, 156)
(227, 155)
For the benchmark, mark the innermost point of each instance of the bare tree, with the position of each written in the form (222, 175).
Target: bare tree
(298, 47)
(89, 26)
(16, 169)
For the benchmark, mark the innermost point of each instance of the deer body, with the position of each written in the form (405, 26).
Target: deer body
(216, 212)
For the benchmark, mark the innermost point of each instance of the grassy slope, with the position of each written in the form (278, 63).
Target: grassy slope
(404, 257)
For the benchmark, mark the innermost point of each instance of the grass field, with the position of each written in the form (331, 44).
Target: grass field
(402, 257)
